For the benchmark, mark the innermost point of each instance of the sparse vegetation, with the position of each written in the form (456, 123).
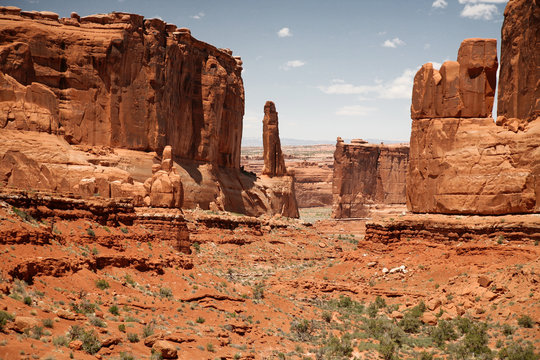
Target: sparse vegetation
(102, 284)
(4, 318)
(132, 337)
(302, 329)
(525, 321)
(89, 339)
(165, 293)
(114, 310)
(258, 291)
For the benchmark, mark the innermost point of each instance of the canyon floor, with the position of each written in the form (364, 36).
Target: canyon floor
(284, 289)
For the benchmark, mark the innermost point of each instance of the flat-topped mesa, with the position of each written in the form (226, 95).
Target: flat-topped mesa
(367, 174)
(519, 87)
(461, 161)
(274, 164)
(464, 88)
(123, 81)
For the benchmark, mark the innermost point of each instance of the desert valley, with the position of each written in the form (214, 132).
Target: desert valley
(134, 225)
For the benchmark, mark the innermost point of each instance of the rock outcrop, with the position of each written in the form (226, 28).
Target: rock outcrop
(164, 188)
(367, 174)
(461, 161)
(461, 89)
(277, 183)
(129, 85)
(123, 81)
(274, 164)
(519, 88)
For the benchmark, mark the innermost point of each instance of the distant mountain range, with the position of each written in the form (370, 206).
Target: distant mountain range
(251, 141)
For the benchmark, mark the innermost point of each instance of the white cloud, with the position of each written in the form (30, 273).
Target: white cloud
(355, 110)
(440, 4)
(293, 64)
(427, 46)
(393, 43)
(482, 1)
(284, 32)
(479, 11)
(198, 16)
(436, 65)
(398, 88)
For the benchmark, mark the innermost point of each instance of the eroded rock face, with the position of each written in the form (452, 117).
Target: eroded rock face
(274, 164)
(462, 88)
(120, 80)
(366, 174)
(164, 188)
(473, 166)
(132, 85)
(519, 89)
(462, 162)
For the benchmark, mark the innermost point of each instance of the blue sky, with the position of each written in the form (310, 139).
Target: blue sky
(333, 68)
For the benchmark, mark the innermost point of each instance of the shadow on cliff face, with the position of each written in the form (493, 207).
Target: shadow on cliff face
(238, 195)
(192, 169)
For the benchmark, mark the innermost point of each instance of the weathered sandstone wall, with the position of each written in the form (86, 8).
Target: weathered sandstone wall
(461, 161)
(87, 104)
(519, 87)
(366, 174)
(123, 81)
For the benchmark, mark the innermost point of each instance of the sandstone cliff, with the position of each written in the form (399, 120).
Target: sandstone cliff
(366, 174)
(121, 80)
(519, 89)
(461, 161)
(87, 103)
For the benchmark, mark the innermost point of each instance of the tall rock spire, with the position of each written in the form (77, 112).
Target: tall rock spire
(274, 165)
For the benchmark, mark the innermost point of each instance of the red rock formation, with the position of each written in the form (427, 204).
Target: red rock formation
(275, 181)
(366, 174)
(274, 165)
(519, 90)
(121, 80)
(463, 88)
(461, 162)
(164, 188)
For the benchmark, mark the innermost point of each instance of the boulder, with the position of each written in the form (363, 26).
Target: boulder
(164, 188)
(23, 323)
(166, 349)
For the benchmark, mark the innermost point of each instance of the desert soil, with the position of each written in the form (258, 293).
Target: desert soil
(306, 289)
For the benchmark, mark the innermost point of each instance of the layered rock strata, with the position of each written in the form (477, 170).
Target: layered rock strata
(461, 161)
(449, 229)
(168, 226)
(367, 174)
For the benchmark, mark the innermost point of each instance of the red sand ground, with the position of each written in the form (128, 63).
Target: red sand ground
(274, 292)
